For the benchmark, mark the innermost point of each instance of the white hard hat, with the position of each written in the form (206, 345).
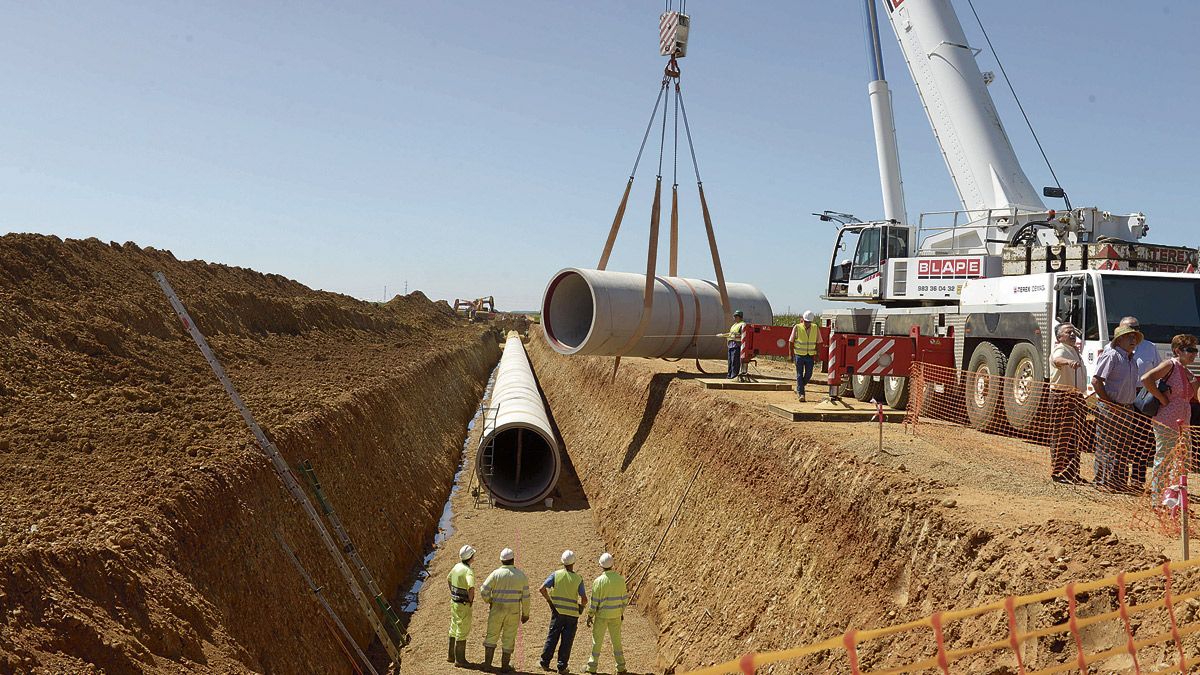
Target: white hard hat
(466, 552)
(808, 315)
(507, 554)
(606, 560)
(568, 557)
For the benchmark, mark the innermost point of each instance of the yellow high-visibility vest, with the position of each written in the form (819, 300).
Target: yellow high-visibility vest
(806, 341)
(609, 596)
(507, 590)
(564, 594)
(735, 331)
(461, 580)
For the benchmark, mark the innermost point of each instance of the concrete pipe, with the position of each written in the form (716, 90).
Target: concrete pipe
(595, 312)
(518, 460)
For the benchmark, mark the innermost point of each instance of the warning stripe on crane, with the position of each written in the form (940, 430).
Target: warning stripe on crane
(875, 356)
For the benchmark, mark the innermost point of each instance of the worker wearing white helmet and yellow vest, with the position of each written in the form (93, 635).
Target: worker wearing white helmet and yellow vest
(462, 593)
(507, 591)
(803, 345)
(734, 338)
(564, 591)
(607, 611)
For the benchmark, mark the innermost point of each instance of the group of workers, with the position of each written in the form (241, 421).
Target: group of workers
(506, 591)
(802, 348)
(1128, 440)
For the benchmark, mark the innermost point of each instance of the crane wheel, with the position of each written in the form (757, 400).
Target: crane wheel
(866, 389)
(895, 392)
(1025, 387)
(983, 385)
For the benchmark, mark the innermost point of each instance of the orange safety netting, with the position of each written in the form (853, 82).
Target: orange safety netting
(1113, 450)
(1143, 625)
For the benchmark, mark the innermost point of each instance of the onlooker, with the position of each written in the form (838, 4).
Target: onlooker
(1115, 381)
(1068, 382)
(1142, 442)
(1146, 353)
(1174, 404)
(803, 346)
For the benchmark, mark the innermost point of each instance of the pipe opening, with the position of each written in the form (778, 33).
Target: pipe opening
(525, 467)
(567, 311)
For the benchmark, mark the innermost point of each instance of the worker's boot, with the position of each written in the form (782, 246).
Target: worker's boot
(488, 653)
(460, 654)
(450, 652)
(505, 666)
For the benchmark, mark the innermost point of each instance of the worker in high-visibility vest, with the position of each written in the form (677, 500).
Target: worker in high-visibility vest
(507, 591)
(803, 346)
(734, 336)
(462, 593)
(607, 612)
(564, 591)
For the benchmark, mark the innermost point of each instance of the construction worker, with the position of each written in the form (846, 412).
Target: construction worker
(563, 590)
(462, 594)
(607, 611)
(803, 347)
(507, 591)
(734, 336)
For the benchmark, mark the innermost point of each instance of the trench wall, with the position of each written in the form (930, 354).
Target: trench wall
(386, 458)
(784, 540)
(137, 514)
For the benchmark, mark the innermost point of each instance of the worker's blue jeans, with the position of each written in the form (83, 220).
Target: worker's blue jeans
(735, 359)
(562, 628)
(804, 371)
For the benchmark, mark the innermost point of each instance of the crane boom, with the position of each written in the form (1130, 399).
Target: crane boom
(978, 154)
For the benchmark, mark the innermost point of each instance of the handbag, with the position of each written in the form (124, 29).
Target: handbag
(1146, 403)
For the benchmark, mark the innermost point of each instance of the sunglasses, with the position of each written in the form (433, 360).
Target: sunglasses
(1191, 350)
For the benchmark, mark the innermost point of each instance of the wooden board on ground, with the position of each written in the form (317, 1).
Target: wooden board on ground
(762, 384)
(809, 412)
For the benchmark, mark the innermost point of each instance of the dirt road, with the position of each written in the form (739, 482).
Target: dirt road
(538, 536)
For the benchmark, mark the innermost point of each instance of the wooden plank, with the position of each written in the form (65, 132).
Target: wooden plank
(734, 385)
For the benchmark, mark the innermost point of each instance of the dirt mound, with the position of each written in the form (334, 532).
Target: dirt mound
(137, 515)
(789, 536)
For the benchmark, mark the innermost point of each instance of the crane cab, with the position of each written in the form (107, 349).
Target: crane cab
(860, 256)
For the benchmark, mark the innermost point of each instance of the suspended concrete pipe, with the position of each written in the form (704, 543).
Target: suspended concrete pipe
(518, 460)
(596, 312)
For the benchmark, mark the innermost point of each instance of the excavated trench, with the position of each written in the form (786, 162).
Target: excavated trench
(788, 538)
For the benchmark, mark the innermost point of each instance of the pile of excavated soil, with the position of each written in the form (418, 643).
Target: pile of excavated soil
(137, 515)
(796, 532)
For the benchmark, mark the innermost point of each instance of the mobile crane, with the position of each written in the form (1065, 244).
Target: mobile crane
(988, 282)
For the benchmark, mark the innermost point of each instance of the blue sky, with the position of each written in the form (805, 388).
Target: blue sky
(474, 148)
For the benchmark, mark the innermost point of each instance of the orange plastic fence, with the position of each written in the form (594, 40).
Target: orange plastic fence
(1154, 635)
(1114, 450)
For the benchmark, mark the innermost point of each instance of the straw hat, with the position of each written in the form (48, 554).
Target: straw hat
(1126, 330)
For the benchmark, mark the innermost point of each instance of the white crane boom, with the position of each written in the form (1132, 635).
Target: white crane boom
(978, 154)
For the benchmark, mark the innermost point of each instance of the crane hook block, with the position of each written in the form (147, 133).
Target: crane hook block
(673, 34)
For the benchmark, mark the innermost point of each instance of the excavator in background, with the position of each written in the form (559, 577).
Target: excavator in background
(479, 309)
(981, 288)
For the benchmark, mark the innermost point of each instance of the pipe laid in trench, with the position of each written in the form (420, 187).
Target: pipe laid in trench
(524, 462)
(595, 312)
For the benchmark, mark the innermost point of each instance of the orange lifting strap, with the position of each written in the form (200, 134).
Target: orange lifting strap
(670, 76)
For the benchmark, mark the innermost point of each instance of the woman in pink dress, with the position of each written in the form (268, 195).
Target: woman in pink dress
(1174, 404)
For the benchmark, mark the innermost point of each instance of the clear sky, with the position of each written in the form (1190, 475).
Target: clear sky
(474, 148)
